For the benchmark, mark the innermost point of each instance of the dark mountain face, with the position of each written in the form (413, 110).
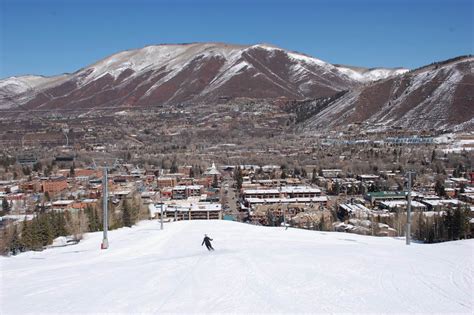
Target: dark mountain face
(438, 96)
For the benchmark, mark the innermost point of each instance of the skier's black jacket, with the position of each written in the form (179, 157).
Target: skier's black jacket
(206, 240)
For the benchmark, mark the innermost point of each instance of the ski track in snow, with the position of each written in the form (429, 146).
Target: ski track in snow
(253, 270)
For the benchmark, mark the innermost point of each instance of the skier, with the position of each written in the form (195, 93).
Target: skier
(207, 240)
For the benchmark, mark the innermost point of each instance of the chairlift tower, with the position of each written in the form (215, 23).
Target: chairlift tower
(408, 226)
(105, 199)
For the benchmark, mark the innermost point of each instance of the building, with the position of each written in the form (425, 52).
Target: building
(166, 182)
(187, 210)
(185, 191)
(287, 192)
(377, 197)
(212, 171)
(393, 205)
(54, 185)
(367, 177)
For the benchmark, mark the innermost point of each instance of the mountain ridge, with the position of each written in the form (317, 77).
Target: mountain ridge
(211, 73)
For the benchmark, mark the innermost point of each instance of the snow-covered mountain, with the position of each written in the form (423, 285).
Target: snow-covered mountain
(254, 269)
(436, 96)
(440, 95)
(370, 75)
(187, 73)
(16, 90)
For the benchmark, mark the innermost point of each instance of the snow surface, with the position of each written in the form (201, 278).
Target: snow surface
(253, 270)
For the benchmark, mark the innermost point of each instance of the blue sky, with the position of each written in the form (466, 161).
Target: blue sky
(51, 37)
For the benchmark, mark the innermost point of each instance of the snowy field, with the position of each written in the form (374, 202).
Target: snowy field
(253, 270)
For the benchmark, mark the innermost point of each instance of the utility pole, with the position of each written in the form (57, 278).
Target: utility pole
(105, 241)
(408, 227)
(161, 215)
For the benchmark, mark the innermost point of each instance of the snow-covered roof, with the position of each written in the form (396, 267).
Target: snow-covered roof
(190, 187)
(62, 202)
(185, 207)
(402, 203)
(287, 200)
(260, 191)
(212, 170)
(351, 208)
(120, 193)
(300, 189)
(440, 202)
(285, 190)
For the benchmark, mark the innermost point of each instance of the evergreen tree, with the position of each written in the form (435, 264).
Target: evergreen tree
(199, 170)
(314, 176)
(72, 170)
(5, 205)
(26, 235)
(362, 189)
(448, 224)
(59, 224)
(93, 219)
(433, 156)
(215, 182)
(15, 243)
(336, 188)
(126, 215)
(238, 178)
(26, 171)
(296, 172)
(439, 188)
(304, 174)
(174, 166)
(45, 229)
(37, 167)
(98, 224)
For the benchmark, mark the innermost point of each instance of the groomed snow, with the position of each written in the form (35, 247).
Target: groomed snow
(253, 270)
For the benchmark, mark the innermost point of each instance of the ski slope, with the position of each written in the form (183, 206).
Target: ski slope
(253, 270)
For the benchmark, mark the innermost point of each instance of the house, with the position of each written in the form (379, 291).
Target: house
(376, 197)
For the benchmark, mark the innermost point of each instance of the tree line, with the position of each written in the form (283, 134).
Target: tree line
(40, 232)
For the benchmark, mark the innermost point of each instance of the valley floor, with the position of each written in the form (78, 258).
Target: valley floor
(253, 270)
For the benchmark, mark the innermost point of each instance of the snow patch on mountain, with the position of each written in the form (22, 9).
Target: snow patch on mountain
(371, 75)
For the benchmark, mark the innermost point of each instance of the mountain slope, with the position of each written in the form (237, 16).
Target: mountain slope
(436, 96)
(254, 269)
(188, 73)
